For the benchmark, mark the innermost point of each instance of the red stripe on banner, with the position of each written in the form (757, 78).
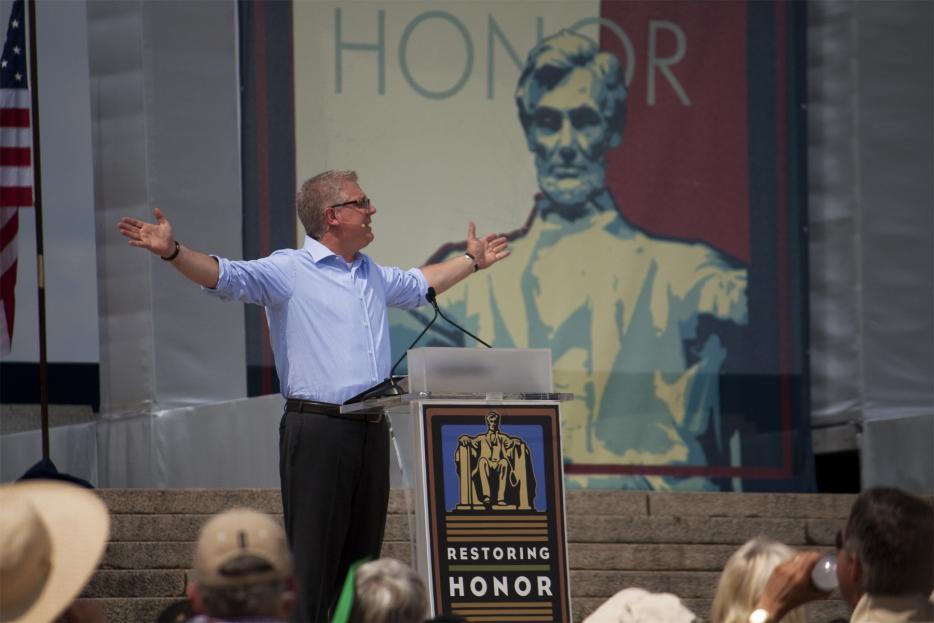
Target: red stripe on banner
(15, 196)
(9, 229)
(14, 117)
(8, 281)
(8, 292)
(682, 170)
(15, 156)
(781, 149)
(262, 181)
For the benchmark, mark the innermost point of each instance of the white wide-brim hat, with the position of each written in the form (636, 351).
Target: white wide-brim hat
(52, 537)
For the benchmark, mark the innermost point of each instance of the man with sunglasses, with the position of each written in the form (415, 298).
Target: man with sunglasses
(885, 564)
(326, 305)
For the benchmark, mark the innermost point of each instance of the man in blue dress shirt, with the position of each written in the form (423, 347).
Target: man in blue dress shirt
(326, 305)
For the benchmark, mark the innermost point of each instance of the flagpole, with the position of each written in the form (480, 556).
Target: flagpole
(37, 206)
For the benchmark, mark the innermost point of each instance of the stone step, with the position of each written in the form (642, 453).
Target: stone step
(109, 583)
(177, 555)
(134, 609)
(169, 555)
(149, 583)
(603, 584)
(188, 501)
(786, 505)
(137, 583)
(581, 529)
(609, 503)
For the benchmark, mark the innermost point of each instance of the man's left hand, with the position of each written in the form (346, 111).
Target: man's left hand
(487, 250)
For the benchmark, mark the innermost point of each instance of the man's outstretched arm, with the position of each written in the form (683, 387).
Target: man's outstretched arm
(158, 238)
(483, 253)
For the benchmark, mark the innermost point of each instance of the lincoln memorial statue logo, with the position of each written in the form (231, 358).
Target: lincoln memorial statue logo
(494, 470)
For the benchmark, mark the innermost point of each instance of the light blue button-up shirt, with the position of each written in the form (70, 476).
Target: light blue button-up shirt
(328, 320)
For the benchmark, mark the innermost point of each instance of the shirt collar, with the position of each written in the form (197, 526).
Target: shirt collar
(319, 252)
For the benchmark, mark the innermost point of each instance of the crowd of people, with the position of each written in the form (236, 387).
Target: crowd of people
(53, 535)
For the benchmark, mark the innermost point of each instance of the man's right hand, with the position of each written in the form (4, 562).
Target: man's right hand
(157, 237)
(790, 586)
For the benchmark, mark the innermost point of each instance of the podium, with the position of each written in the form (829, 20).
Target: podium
(488, 481)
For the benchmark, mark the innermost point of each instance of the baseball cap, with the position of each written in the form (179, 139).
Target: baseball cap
(233, 535)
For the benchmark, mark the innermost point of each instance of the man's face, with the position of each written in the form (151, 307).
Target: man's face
(570, 138)
(492, 421)
(353, 219)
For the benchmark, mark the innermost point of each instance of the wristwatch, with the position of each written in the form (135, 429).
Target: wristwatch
(760, 615)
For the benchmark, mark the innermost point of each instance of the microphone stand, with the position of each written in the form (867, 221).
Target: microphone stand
(390, 386)
(432, 298)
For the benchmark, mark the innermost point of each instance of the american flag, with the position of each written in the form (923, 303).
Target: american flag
(15, 162)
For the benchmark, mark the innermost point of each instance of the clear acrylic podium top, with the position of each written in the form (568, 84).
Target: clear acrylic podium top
(473, 373)
(434, 370)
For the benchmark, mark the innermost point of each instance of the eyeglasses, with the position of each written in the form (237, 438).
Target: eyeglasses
(360, 204)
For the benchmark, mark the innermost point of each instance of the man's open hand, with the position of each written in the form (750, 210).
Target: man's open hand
(487, 250)
(157, 237)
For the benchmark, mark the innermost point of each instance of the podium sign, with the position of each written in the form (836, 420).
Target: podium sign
(495, 536)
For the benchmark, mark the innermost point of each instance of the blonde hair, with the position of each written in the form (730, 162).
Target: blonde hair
(743, 579)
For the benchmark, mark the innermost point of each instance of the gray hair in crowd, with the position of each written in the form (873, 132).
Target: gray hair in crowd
(388, 591)
(892, 532)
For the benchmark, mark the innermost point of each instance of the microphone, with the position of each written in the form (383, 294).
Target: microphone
(390, 386)
(432, 298)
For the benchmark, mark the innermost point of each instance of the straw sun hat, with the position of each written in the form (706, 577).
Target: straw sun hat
(52, 536)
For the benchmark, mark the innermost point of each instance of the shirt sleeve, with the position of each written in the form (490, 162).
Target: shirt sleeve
(267, 281)
(405, 289)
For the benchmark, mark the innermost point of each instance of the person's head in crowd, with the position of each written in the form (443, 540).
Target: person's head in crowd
(242, 568)
(887, 546)
(388, 591)
(743, 579)
(885, 555)
(572, 105)
(636, 605)
(52, 537)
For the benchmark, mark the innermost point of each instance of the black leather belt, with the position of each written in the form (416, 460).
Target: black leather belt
(297, 405)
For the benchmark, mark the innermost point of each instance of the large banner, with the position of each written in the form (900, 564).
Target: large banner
(646, 160)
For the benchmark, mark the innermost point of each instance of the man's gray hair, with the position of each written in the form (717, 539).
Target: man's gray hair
(893, 534)
(388, 591)
(316, 194)
(554, 58)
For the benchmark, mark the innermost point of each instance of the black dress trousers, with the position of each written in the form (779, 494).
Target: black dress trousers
(335, 491)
